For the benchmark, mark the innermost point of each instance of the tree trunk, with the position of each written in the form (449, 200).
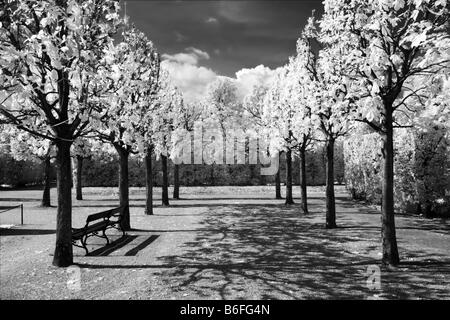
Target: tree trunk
(71, 174)
(176, 181)
(165, 186)
(124, 198)
(63, 256)
(303, 178)
(212, 179)
(148, 182)
(389, 240)
(79, 184)
(47, 172)
(278, 182)
(428, 212)
(289, 199)
(330, 201)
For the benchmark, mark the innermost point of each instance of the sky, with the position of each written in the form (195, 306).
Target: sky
(201, 40)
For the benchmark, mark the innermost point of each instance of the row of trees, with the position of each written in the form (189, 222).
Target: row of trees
(77, 78)
(383, 64)
(378, 65)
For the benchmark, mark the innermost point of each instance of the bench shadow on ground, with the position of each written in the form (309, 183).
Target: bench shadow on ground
(101, 249)
(256, 251)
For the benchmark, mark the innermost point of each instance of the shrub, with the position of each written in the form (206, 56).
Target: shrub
(421, 170)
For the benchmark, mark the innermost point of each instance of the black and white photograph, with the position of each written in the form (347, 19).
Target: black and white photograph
(242, 152)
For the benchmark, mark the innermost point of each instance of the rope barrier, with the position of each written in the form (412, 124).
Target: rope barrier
(9, 208)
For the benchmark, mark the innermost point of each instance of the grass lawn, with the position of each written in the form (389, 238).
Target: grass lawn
(222, 243)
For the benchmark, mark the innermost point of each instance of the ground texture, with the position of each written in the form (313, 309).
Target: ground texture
(223, 243)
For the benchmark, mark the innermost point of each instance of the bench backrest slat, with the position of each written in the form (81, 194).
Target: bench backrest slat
(103, 214)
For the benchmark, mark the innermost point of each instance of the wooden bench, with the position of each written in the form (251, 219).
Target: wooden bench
(96, 225)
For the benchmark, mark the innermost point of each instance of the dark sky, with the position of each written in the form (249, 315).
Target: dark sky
(235, 34)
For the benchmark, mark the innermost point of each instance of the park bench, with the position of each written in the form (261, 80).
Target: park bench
(96, 225)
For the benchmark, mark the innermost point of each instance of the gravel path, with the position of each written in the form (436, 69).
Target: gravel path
(223, 243)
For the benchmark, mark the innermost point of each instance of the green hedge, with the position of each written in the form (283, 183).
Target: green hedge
(421, 170)
(105, 173)
(98, 173)
(19, 173)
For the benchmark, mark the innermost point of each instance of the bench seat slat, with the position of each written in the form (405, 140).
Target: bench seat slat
(92, 228)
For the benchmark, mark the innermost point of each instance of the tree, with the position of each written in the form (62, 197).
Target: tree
(290, 128)
(144, 130)
(81, 149)
(112, 125)
(222, 116)
(278, 115)
(144, 95)
(148, 180)
(166, 113)
(188, 114)
(49, 50)
(325, 89)
(253, 111)
(130, 74)
(301, 126)
(385, 45)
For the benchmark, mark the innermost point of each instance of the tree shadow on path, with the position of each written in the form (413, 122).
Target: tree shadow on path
(274, 252)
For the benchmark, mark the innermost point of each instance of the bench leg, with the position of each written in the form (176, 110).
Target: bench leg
(105, 236)
(83, 243)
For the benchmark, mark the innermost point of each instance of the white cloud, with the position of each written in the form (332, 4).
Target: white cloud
(247, 78)
(191, 56)
(182, 58)
(235, 11)
(212, 20)
(190, 78)
(199, 53)
(180, 37)
(193, 79)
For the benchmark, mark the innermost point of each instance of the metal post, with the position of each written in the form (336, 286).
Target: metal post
(21, 213)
